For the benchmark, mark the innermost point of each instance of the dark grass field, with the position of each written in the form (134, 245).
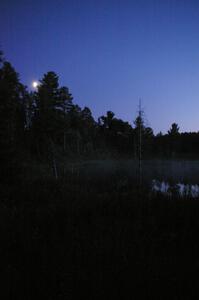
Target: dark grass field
(70, 239)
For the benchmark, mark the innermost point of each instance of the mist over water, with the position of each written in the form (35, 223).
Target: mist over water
(183, 171)
(166, 176)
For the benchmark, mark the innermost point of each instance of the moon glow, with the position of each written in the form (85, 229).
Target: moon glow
(35, 84)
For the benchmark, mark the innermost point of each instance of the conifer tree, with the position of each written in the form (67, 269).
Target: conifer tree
(11, 118)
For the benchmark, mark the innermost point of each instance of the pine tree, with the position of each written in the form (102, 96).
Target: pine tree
(174, 130)
(53, 105)
(11, 119)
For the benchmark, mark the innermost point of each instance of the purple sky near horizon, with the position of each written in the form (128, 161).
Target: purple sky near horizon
(110, 53)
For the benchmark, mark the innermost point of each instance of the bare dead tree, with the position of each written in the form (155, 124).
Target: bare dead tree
(140, 143)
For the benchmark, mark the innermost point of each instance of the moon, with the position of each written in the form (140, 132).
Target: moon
(35, 84)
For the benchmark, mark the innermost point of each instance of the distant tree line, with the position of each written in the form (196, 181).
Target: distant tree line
(48, 125)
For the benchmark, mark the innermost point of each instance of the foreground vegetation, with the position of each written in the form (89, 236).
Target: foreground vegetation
(68, 237)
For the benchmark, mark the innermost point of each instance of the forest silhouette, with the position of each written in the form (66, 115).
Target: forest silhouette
(47, 125)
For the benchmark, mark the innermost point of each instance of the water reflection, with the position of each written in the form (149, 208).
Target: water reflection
(181, 189)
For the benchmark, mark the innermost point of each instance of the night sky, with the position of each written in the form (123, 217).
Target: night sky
(111, 53)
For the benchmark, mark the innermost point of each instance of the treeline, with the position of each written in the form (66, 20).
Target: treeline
(46, 124)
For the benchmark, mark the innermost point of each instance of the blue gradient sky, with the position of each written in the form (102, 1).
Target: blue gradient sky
(111, 53)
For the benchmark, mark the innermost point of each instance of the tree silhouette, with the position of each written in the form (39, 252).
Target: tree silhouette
(174, 130)
(11, 118)
(106, 121)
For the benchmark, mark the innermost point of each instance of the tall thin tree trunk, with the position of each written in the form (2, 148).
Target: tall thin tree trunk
(54, 163)
(140, 146)
(64, 141)
(55, 168)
